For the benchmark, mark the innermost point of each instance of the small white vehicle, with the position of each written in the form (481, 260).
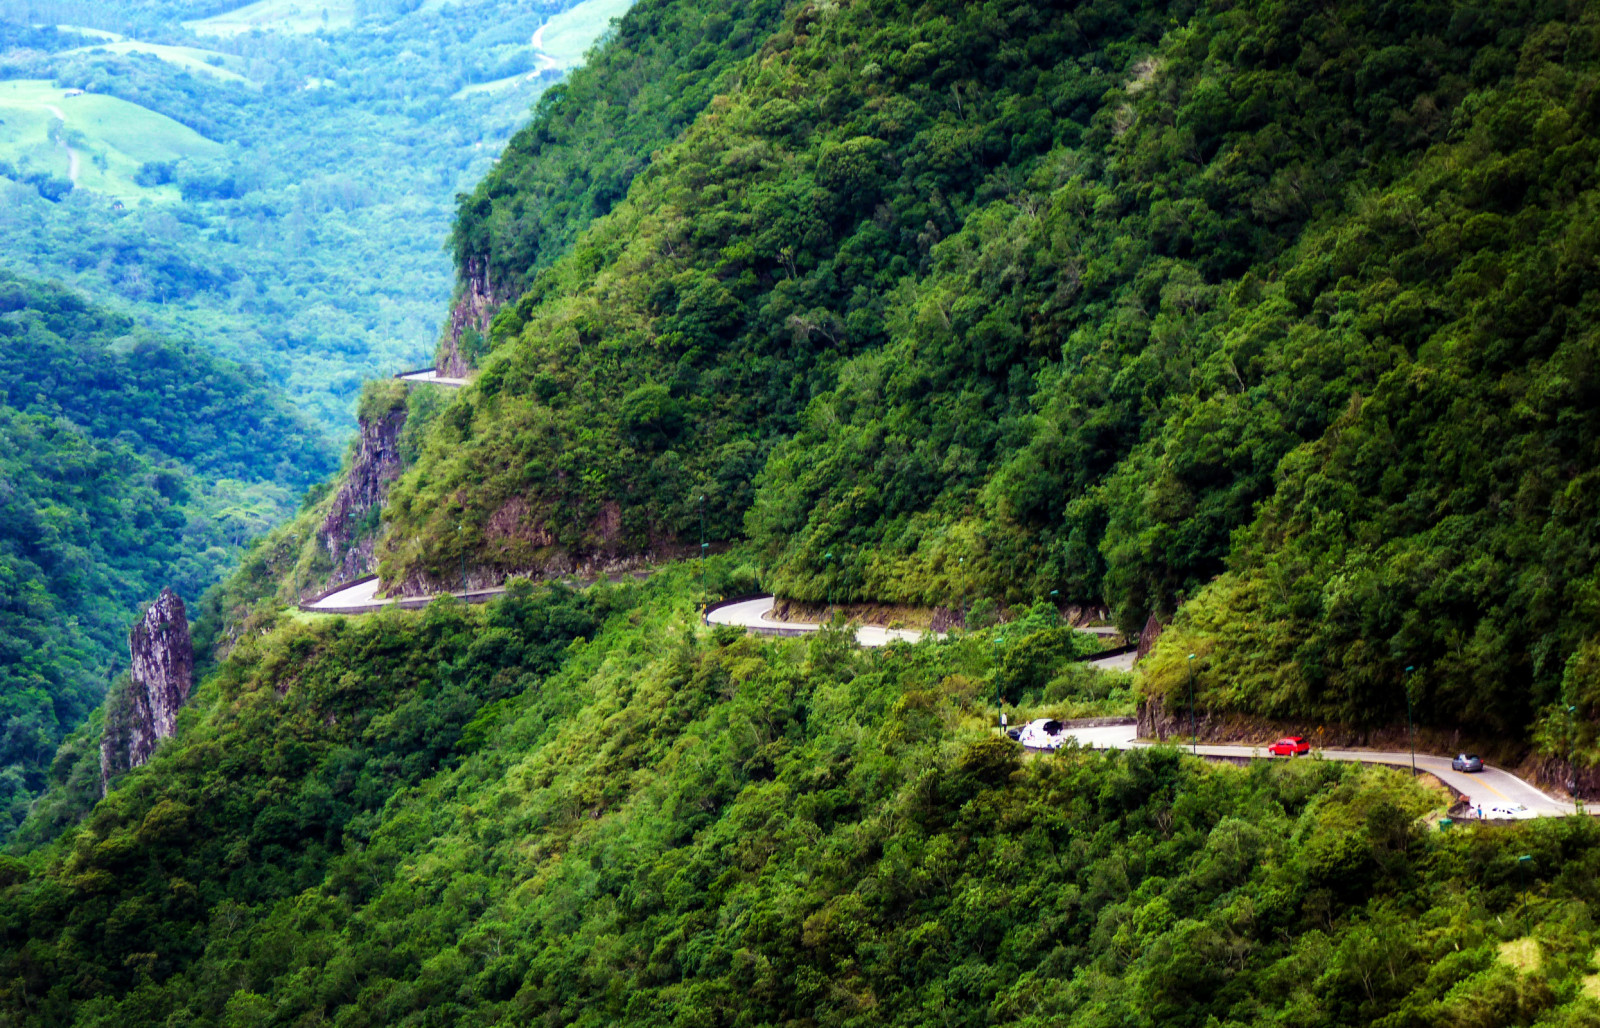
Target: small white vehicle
(1507, 812)
(1043, 734)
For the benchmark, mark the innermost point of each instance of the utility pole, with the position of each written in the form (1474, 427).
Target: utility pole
(461, 542)
(1194, 726)
(1411, 736)
(704, 597)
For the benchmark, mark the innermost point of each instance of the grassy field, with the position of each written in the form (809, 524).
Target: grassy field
(189, 58)
(496, 87)
(278, 16)
(112, 137)
(79, 30)
(569, 34)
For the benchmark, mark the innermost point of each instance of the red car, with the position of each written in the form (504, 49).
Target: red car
(1290, 746)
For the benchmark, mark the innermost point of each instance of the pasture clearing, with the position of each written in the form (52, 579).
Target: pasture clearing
(112, 138)
(189, 58)
(291, 16)
(568, 35)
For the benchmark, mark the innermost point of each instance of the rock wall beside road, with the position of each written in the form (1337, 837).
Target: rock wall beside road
(375, 467)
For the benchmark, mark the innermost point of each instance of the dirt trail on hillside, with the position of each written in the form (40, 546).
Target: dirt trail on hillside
(73, 160)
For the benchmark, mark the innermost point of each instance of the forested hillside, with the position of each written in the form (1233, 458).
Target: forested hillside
(127, 463)
(570, 808)
(1273, 321)
(1005, 299)
(593, 133)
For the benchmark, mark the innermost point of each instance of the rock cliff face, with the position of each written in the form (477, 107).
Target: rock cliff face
(145, 711)
(1147, 638)
(349, 529)
(473, 309)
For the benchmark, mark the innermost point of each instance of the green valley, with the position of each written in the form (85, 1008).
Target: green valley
(127, 463)
(264, 180)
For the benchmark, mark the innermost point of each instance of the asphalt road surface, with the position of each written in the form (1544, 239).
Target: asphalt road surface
(752, 614)
(435, 378)
(1500, 793)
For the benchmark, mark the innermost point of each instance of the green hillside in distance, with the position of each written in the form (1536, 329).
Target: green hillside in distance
(1014, 300)
(128, 464)
(262, 181)
(103, 141)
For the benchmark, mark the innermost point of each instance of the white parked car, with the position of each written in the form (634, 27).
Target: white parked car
(1044, 734)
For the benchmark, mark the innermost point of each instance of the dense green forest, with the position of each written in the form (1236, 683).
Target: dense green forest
(1271, 320)
(1105, 300)
(127, 463)
(593, 133)
(576, 809)
(279, 196)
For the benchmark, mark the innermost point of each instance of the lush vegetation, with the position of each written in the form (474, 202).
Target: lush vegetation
(127, 463)
(1275, 319)
(578, 809)
(1014, 299)
(591, 135)
(279, 196)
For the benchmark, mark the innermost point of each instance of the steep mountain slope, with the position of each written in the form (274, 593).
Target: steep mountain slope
(128, 464)
(593, 133)
(680, 340)
(1102, 300)
(950, 300)
(473, 817)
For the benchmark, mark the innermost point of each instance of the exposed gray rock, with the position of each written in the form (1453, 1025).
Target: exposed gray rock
(1147, 638)
(473, 309)
(145, 710)
(348, 530)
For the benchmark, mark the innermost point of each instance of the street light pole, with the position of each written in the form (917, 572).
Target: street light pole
(999, 715)
(1411, 737)
(1572, 756)
(1194, 726)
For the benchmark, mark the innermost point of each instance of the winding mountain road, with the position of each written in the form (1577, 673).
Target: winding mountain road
(432, 376)
(1501, 794)
(1498, 794)
(751, 615)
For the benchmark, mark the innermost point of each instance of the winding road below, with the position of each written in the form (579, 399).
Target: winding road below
(1501, 794)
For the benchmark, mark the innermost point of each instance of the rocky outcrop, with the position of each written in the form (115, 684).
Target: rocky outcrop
(351, 525)
(1147, 639)
(145, 710)
(473, 309)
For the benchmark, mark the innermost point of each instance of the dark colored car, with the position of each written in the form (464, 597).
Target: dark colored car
(1290, 746)
(1467, 762)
